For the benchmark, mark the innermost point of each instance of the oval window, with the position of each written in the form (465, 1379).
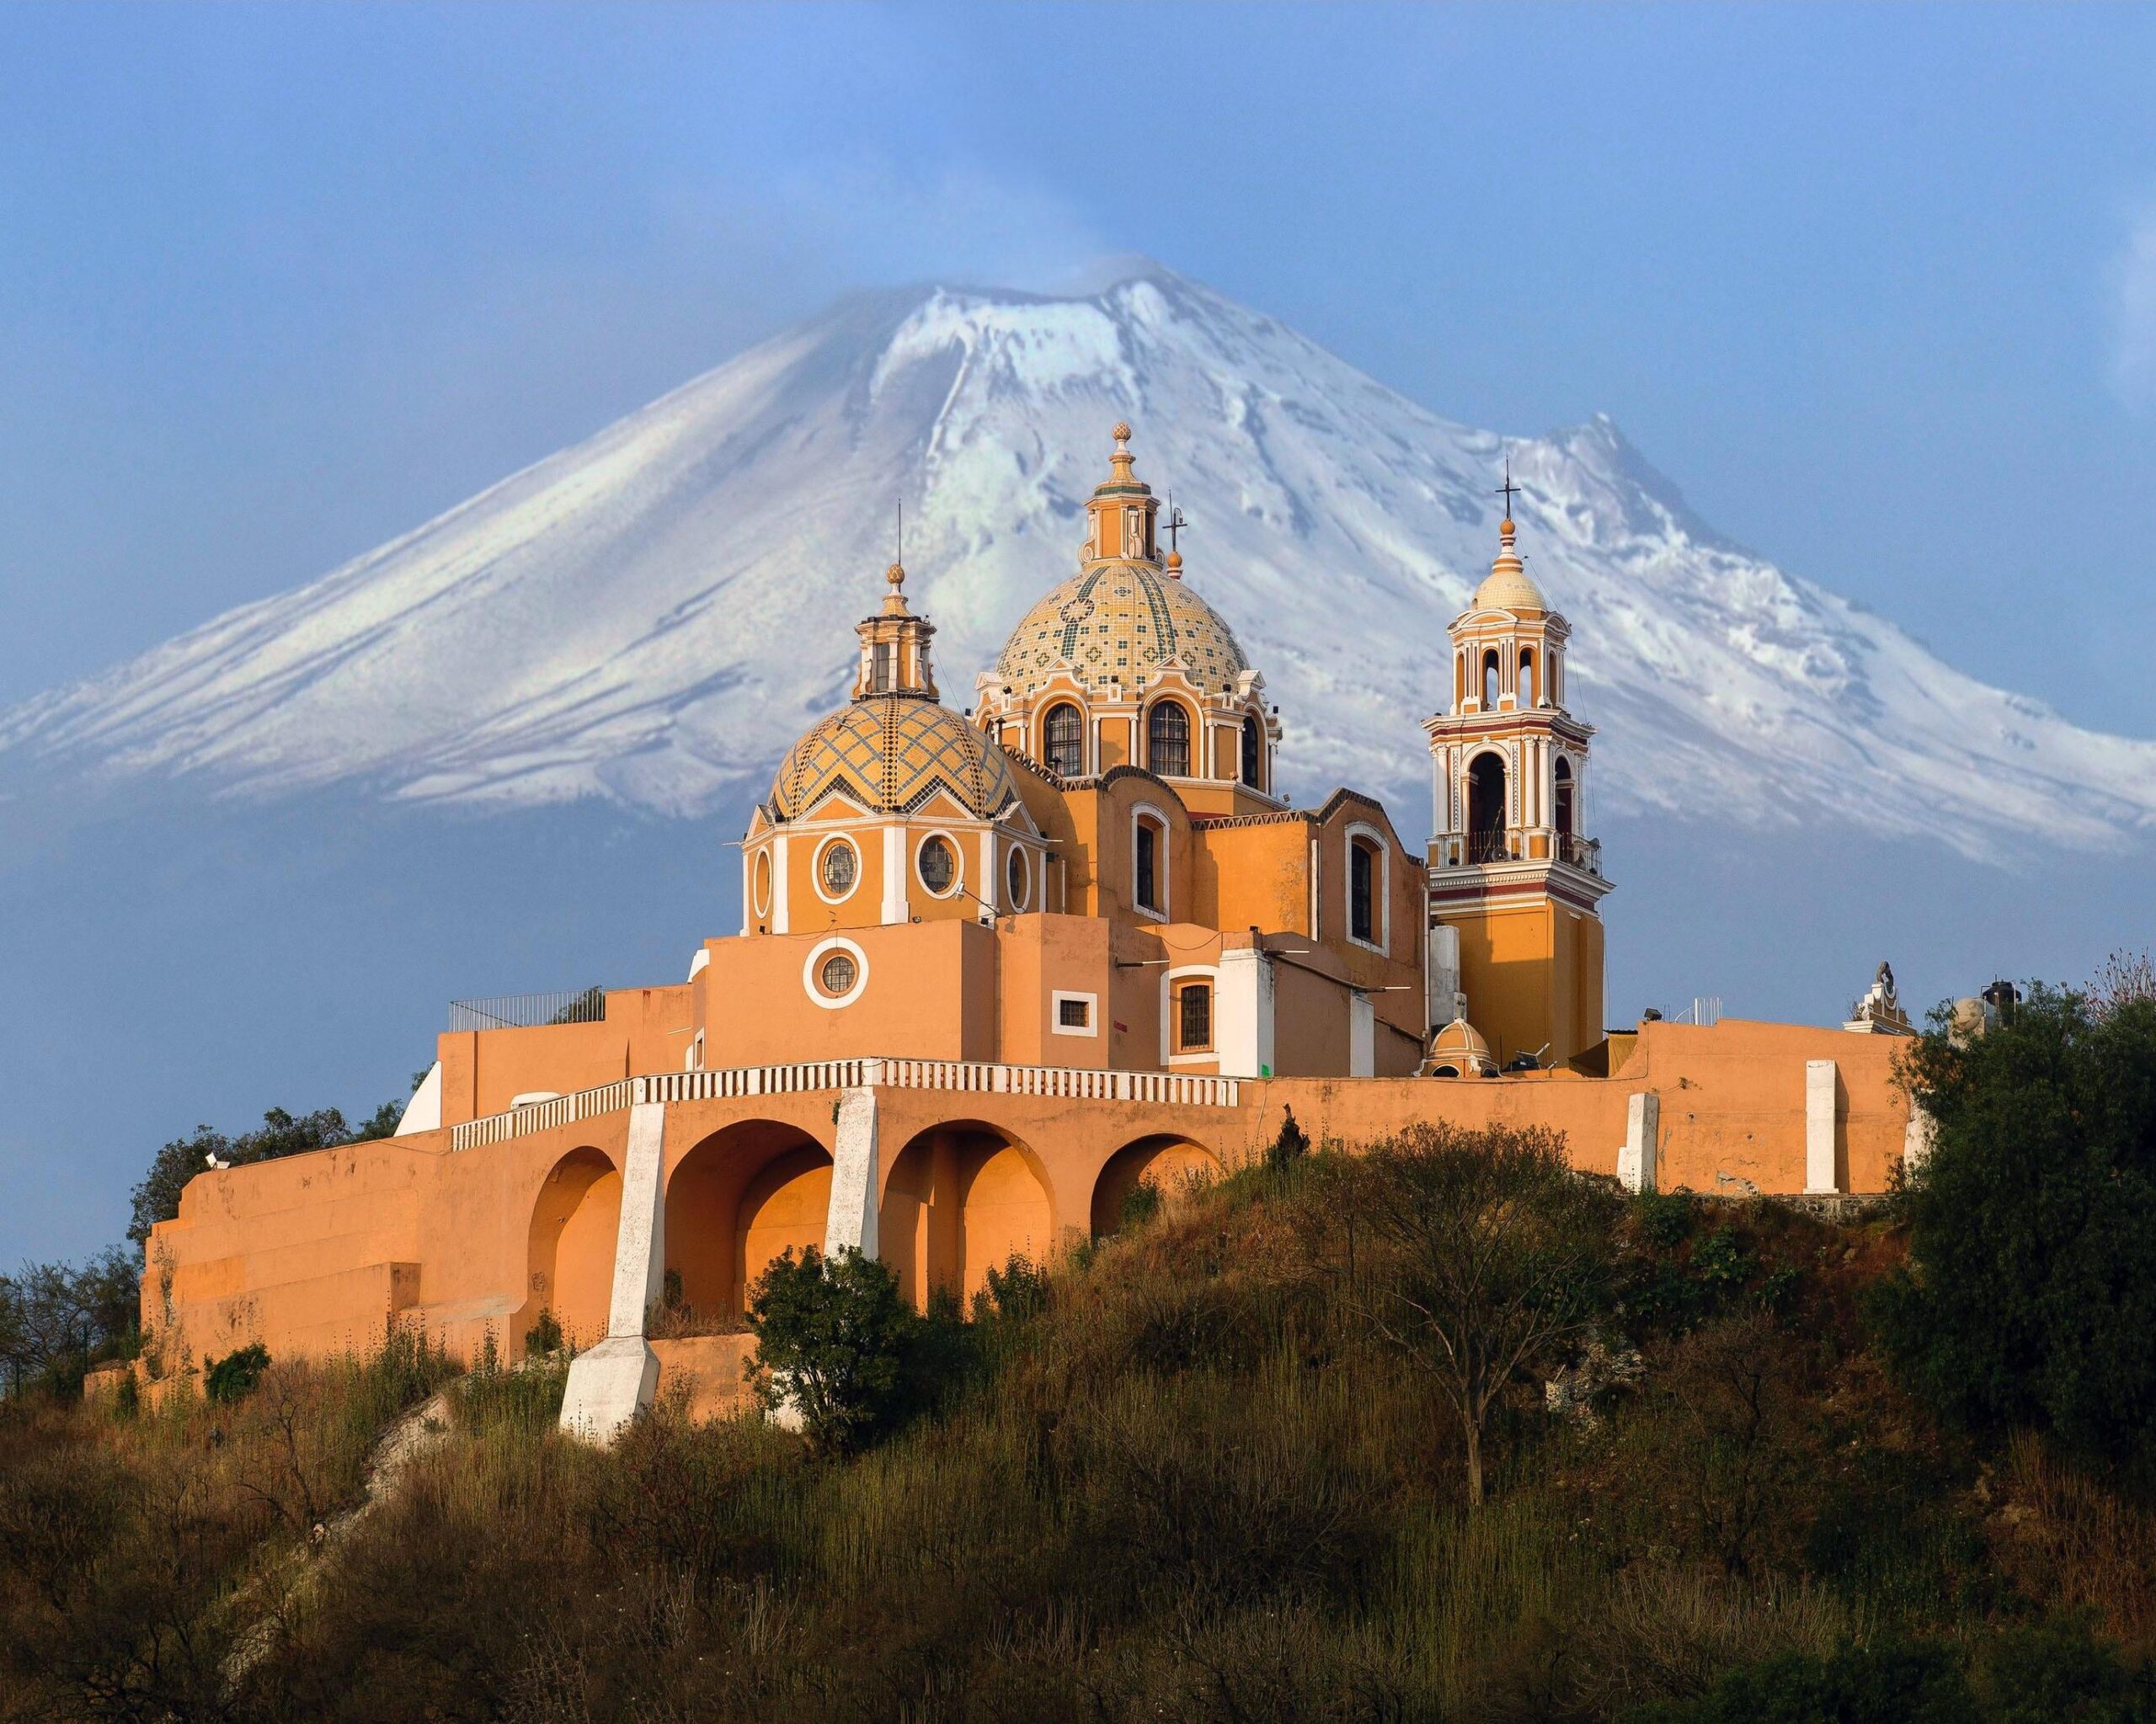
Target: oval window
(763, 886)
(1019, 877)
(838, 974)
(939, 865)
(840, 868)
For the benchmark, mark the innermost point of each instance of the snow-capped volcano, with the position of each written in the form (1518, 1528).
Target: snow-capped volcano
(655, 614)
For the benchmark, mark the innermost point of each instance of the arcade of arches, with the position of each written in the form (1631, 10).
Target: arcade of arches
(737, 1200)
(570, 1248)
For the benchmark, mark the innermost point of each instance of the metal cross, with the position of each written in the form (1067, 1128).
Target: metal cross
(1509, 490)
(1174, 523)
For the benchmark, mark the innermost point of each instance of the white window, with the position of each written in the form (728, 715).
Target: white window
(1075, 1014)
(1018, 877)
(835, 973)
(937, 862)
(838, 870)
(1148, 861)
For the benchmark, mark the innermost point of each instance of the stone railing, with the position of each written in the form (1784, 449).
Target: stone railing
(1062, 1083)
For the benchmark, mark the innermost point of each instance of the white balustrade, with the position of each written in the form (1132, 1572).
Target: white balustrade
(1060, 1082)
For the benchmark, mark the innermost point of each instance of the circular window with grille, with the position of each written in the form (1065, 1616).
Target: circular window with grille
(1018, 876)
(837, 869)
(938, 863)
(834, 972)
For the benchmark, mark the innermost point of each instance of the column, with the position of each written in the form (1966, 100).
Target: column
(1361, 1035)
(1819, 1159)
(1636, 1161)
(1242, 1009)
(894, 875)
(609, 1384)
(779, 872)
(852, 1222)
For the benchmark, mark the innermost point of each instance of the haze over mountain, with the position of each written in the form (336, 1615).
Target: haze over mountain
(653, 615)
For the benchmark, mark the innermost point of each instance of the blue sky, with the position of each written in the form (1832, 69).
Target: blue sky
(1876, 288)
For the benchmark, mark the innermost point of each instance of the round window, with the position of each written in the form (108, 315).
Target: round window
(1019, 877)
(939, 866)
(840, 868)
(763, 883)
(838, 974)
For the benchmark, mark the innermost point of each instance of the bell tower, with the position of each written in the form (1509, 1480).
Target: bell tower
(1514, 879)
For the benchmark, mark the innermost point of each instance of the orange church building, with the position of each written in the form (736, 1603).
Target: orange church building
(996, 968)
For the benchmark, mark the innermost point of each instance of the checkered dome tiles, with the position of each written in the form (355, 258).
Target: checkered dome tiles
(891, 753)
(1119, 622)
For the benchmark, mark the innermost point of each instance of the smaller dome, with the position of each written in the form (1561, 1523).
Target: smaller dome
(1458, 1050)
(1507, 587)
(890, 753)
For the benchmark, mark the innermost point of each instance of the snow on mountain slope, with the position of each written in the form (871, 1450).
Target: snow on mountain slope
(654, 615)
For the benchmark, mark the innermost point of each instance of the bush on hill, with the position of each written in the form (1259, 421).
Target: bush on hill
(2029, 1294)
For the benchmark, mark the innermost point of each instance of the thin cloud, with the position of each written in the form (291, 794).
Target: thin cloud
(2133, 313)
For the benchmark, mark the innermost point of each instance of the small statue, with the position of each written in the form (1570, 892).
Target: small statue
(1883, 982)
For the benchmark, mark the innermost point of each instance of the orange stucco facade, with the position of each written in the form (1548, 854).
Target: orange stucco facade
(997, 969)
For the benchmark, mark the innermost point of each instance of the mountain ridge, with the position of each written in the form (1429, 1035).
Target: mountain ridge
(652, 614)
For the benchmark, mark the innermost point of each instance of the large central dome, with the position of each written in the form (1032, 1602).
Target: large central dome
(1115, 624)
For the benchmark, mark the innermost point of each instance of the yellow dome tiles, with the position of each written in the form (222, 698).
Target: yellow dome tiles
(890, 754)
(1115, 623)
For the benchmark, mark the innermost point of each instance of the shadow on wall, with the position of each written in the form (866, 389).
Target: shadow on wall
(962, 1199)
(736, 1201)
(1172, 1165)
(569, 1253)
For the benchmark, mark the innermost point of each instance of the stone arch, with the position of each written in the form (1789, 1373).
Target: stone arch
(1487, 808)
(963, 1197)
(736, 1200)
(1174, 1164)
(570, 1248)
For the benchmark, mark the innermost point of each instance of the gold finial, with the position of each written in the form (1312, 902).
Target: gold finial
(1120, 460)
(895, 601)
(896, 574)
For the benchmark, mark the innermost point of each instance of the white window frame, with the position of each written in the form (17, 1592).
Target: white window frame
(1381, 887)
(1021, 858)
(816, 868)
(814, 987)
(1091, 1002)
(957, 861)
(1209, 973)
(761, 876)
(1147, 811)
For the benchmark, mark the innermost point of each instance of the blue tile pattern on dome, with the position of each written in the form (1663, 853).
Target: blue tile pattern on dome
(1120, 617)
(891, 753)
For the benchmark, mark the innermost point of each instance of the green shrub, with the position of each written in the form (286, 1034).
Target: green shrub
(832, 1340)
(544, 1336)
(234, 1377)
(2030, 1296)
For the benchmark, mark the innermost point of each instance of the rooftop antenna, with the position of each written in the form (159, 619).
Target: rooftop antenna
(1509, 490)
(901, 546)
(1174, 524)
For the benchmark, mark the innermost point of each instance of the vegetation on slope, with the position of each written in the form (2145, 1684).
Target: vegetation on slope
(1219, 1468)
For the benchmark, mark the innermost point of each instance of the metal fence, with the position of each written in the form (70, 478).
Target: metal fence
(529, 1010)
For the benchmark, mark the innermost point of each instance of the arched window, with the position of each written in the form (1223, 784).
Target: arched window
(1066, 734)
(1564, 797)
(1526, 678)
(1149, 865)
(1167, 740)
(1486, 809)
(1490, 680)
(1361, 890)
(1194, 1018)
(1253, 752)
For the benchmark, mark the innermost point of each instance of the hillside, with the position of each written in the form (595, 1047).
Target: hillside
(1187, 1476)
(651, 617)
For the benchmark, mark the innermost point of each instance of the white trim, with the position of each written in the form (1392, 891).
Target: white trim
(812, 986)
(779, 894)
(1361, 1035)
(1168, 979)
(894, 875)
(1057, 1027)
(1381, 887)
(761, 875)
(816, 868)
(1243, 1013)
(988, 871)
(1024, 896)
(958, 863)
(700, 963)
(1146, 811)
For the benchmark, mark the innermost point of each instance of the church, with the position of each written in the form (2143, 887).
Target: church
(998, 967)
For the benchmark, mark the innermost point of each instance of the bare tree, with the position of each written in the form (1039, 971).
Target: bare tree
(1496, 1257)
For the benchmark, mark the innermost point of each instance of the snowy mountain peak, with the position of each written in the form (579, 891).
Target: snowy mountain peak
(654, 614)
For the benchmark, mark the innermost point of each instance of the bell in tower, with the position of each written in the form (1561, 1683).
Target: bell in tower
(1514, 879)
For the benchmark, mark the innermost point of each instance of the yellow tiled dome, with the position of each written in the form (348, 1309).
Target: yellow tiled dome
(1119, 621)
(890, 753)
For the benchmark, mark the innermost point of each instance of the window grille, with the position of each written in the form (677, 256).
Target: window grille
(1167, 739)
(1195, 1014)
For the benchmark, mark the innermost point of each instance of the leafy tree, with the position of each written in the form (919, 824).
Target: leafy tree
(2030, 1296)
(833, 1336)
(57, 1320)
(157, 1199)
(1500, 1260)
(233, 1377)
